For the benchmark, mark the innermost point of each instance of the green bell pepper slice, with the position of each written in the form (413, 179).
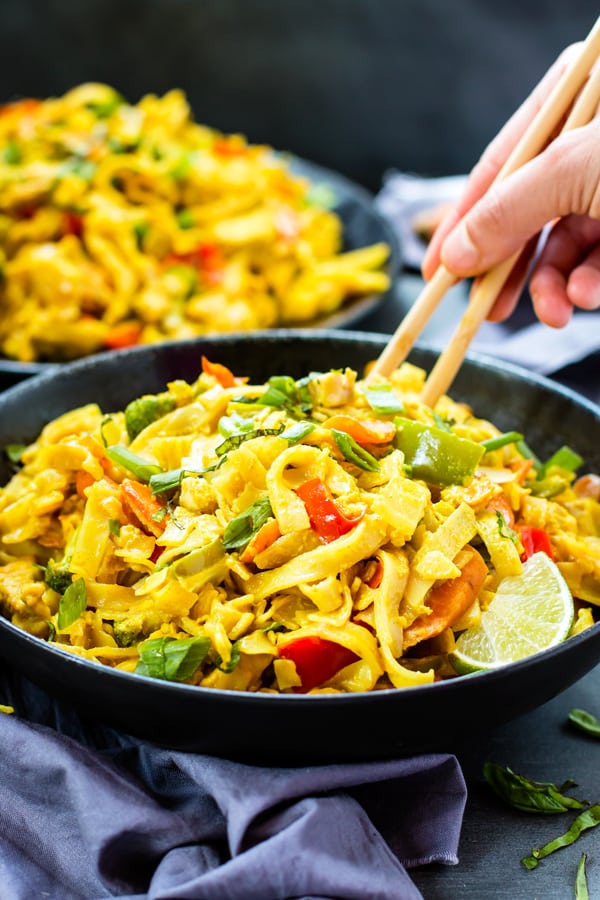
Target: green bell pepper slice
(436, 456)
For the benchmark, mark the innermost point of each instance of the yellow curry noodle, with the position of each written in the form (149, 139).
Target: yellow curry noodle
(326, 534)
(130, 223)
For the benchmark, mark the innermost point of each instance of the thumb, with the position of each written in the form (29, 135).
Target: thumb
(563, 179)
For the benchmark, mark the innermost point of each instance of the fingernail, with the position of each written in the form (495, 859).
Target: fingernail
(459, 251)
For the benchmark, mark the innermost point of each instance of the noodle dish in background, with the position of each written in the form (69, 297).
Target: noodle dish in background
(124, 224)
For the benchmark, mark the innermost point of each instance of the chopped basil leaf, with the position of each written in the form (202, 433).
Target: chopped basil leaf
(285, 393)
(182, 167)
(108, 105)
(529, 796)
(140, 230)
(185, 219)
(159, 515)
(585, 721)
(504, 529)
(235, 424)
(114, 526)
(72, 604)
(11, 153)
(236, 440)
(353, 452)
(170, 658)
(15, 452)
(233, 659)
(76, 165)
(588, 819)
(241, 529)
(107, 420)
(581, 888)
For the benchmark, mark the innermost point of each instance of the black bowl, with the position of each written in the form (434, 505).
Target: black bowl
(299, 728)
(362, 224)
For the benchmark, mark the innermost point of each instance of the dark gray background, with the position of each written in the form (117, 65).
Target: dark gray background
(358, 85)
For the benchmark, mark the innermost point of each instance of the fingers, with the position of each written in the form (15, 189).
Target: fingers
(583, 286)
(550, 301)
(564, 179)
(567, 273)
(513, 288)
(493, 158)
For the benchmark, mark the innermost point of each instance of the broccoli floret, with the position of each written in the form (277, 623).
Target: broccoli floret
(135, 628)
(57, 576)
(147, 409)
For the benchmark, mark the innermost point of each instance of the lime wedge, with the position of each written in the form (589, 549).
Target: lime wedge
(529, 613)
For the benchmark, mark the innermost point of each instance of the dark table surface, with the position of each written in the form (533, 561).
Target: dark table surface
(540, 745)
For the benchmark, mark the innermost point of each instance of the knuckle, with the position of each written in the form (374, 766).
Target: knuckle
(574, 174)
(491, 217)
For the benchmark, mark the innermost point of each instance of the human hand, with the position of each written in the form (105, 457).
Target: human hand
(491, 222)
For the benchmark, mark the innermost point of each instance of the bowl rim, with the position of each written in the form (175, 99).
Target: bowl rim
(351, 336)
(69, 371)
(344, 317)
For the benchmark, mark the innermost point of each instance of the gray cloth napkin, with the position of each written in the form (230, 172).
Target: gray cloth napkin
(105, 816)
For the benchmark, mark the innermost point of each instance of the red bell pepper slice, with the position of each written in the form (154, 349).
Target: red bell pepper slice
(534, 540)
(72, 223)
(207, 259)
(326, 518)
(316, 660)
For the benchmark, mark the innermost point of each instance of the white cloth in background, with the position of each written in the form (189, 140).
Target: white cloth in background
(534, 346)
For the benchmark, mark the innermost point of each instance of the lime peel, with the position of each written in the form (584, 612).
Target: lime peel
(529, 613)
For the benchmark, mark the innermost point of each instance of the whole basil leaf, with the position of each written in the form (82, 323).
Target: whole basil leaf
(581, 888)
(241, 529)
(72, 604)
(529, 796)
(588, 819)
(170, 658)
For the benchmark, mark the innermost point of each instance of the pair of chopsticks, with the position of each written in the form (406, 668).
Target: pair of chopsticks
(576, 96)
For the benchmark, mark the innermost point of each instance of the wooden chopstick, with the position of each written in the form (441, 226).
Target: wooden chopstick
(535, 138)
(486, 290)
